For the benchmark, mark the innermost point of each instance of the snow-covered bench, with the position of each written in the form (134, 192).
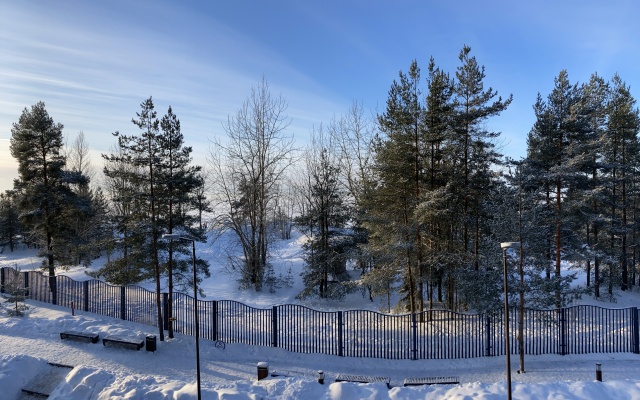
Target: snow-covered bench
(80, 335)
(283, 373)
(123, 341)
(434, 380)
(364, 379)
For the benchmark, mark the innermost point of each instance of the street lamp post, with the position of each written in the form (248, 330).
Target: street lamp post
(504, 246)
(172, 236)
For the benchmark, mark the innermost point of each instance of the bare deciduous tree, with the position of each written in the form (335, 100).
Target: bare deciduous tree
(246, 170)
(78, 157)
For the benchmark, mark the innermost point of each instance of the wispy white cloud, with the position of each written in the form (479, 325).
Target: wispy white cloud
(93, 72)
(94, 62)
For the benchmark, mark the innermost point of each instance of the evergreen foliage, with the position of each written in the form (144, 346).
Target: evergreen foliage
(398, 168)
(10, 227)
(583, 152)
(323, 220)
(427, 214)
(47, 194)
(555, 149)
(352, 134)
(154, 190)
(178, 187)
(414, 201)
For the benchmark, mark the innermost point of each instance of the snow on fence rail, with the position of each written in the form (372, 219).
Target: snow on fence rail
(433, 334)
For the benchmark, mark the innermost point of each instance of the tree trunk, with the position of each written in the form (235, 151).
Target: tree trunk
(623, 250)
(558, 238)
(154, 230)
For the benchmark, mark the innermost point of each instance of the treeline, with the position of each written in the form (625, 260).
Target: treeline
(150, 188)
(409, 205)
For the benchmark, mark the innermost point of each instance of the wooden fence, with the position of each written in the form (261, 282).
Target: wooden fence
(436, 334)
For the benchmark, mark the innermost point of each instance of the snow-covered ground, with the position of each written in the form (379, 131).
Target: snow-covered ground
(28, 343)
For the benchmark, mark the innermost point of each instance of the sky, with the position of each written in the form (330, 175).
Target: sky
(93, 63)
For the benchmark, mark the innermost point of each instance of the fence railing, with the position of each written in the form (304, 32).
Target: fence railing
(434, 334)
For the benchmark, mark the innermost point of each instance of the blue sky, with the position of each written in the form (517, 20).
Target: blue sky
(94, 62)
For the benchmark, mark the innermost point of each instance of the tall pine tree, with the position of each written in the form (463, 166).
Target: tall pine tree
(556, 149)
(323, 220)
(178, 183)
(44, 186)
(399, 172)
(621, 155)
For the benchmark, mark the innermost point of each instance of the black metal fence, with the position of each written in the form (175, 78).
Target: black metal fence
(435, 334)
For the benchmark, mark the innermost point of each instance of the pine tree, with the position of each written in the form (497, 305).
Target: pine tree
(142, 153)
(462, 154)
(127, 205)
(324, 221)
(10, 227)
(432, 175)
(102, 232)
(595, 102)
(44, 187)
(178, 182)
(200, 201)
(156, 159)
(399, 166)
(437, 209)
(622, 148)
(80, 221)
(473, 145)
(556, 149)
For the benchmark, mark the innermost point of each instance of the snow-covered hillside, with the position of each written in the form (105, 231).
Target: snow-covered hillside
(28, 343)
(288, 263)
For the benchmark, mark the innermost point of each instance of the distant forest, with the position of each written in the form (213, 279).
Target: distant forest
(410, 205)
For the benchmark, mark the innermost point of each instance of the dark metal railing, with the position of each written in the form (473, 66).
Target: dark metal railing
(434, 334)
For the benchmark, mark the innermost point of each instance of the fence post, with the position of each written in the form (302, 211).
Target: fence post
(274, 326)
(25, 278)
(53, 285)
(165, 311)
(414, 337)
(85, 293)
(215, 320)
(563, 333)
(636, 334)
(487, 327)
(123, 305)
(1, 280)
(340, 341)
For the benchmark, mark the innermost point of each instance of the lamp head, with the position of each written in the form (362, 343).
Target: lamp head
(508, 245)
